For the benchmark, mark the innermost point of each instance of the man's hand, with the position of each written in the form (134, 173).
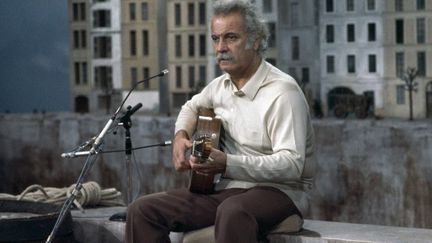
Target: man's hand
(181, 144)
(216, 163)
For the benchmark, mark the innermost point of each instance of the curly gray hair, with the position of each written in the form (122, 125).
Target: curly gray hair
(256, 28)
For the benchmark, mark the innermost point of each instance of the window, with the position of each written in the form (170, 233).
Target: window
(77, 73)
(146, 75)
(421, 30)
(202, 14)
(178, 46)
(350, 32)
(80, 71)
(329, 33)
(370, 5)
(372, 63)
(202, 74)
(103, 77)
(202, 45)
(83, 39)
(178, 77)
(350, 5)
(329, 6)
(145, 42)
(191, 76)
(76, 39)
(191, 45)
(102, 18)
(191, 15)
(272, 35)
(84, 72)
(305, 75)
(420, 4)
(134, 76)
(330, 64)
(132, 11)
(295, 51)
(82, 11)
(144, 11)
(75, 11)
(177, 14)
(102, 47)
(267, 6)
(371, 32)
(351, 65)
(421, 63)
(400, 94)
(399, 5)
(400, 64)
(132, 39)
(294, 14)
(399, 31)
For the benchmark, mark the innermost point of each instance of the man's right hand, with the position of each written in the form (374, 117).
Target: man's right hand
(180, 145)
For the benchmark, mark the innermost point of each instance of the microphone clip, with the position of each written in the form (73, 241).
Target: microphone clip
(125, 119)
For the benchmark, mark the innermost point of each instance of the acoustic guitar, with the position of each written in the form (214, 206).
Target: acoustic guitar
(206, 137)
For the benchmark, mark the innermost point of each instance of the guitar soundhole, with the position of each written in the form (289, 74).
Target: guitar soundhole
(201, 147)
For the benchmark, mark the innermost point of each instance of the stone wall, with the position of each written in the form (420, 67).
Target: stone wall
(369, 171)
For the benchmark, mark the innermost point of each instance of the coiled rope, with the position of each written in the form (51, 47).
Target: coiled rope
(90, 195)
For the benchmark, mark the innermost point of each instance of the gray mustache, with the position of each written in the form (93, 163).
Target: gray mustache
(224, 56)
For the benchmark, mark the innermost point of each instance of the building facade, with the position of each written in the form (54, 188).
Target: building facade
(408, 44)
(298, 44)
(333, 48)
(366, 49)
(114, 45)
(187, 43)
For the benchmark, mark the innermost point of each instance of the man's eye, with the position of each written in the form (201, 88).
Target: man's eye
(232, 37)
(215, 38)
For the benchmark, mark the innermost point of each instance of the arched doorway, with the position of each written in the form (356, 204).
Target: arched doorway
(429, 99)
(81, 104)
(334, 93)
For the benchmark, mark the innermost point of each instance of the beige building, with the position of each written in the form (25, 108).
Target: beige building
(115, 44)
(408, 44)
(187, 43)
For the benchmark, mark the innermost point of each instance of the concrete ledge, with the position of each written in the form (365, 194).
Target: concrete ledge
(94, 226)
(315, 231)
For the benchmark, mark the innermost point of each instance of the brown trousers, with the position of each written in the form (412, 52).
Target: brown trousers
(239, 215)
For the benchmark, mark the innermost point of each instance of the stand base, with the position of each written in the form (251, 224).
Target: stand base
(120, 217)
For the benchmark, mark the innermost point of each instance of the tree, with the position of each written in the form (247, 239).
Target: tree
(410, 85)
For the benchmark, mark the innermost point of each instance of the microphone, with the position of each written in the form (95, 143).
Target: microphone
(162, 73)
(134, 109)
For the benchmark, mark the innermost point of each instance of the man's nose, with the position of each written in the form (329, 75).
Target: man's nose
(221, 46)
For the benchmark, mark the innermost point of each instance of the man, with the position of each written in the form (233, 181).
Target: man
(267, 142)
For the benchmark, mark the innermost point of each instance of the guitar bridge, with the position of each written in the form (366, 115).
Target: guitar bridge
(201, 147)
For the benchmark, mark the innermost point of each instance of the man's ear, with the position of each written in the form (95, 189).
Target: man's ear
(256, 44)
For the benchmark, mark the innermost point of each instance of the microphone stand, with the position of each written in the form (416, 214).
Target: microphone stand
(91, 157)
(126, 122)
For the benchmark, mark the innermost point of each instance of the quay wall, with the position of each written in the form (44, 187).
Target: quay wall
(368, 171)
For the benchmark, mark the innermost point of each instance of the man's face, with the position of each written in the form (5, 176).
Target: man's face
(230, 43)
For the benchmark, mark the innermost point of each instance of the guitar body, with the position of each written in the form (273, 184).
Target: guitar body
(206, 136)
